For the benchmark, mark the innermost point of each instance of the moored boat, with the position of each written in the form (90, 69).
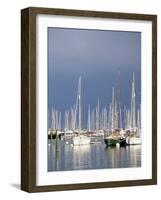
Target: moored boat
(122, 142)
(133, 140)
(109, 141)
(81, 140)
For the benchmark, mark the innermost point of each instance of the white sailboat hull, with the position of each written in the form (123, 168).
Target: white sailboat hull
(133, 141)
(81, 140)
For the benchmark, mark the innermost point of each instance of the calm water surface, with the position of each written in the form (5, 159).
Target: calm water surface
(63, 156)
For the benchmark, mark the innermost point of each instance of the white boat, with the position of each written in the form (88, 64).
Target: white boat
(99, 133)
(133, 140)
(68, 133)
(81, 140)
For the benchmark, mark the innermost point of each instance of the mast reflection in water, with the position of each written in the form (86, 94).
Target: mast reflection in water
(63, 156)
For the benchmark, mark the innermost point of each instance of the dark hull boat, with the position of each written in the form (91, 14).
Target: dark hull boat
(122, 142)
(113, 142)
(110, 142)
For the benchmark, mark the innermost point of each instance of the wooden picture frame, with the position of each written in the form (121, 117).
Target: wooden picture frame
(28, 98)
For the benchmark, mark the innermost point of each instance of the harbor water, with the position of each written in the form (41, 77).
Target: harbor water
(63, 156)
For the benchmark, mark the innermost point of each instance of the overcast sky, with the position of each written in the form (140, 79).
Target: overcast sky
(96, 56)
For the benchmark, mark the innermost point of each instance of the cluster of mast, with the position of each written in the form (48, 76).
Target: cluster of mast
(111, 117)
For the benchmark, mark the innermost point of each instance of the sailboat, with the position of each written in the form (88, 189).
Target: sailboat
(133, 138)
(79, 139)
(114, 138)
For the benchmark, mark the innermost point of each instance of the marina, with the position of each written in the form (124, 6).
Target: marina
(113, 126)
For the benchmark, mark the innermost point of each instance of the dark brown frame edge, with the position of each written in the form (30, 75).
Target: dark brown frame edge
(28, 98)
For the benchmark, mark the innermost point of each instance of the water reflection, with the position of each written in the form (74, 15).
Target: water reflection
(81, 156)
(63, 156)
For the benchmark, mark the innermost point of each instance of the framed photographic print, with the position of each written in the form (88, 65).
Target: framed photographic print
(88, 99)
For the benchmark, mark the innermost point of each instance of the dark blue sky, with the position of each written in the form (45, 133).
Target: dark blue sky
(96, 56)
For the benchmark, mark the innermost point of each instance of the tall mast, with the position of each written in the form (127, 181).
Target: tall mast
(109, 117)
(113, 110)
(89, 118)
(59, 120)
(133, 109)
(67, 120)
(92, 121)
(128, 119)
(73, 122)
(104, 118)
(120, 118)
(125, 117)
(116, 114)
(79, 103)
(138, 119)
(100, 121)
(97, 116)
(56, 119)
